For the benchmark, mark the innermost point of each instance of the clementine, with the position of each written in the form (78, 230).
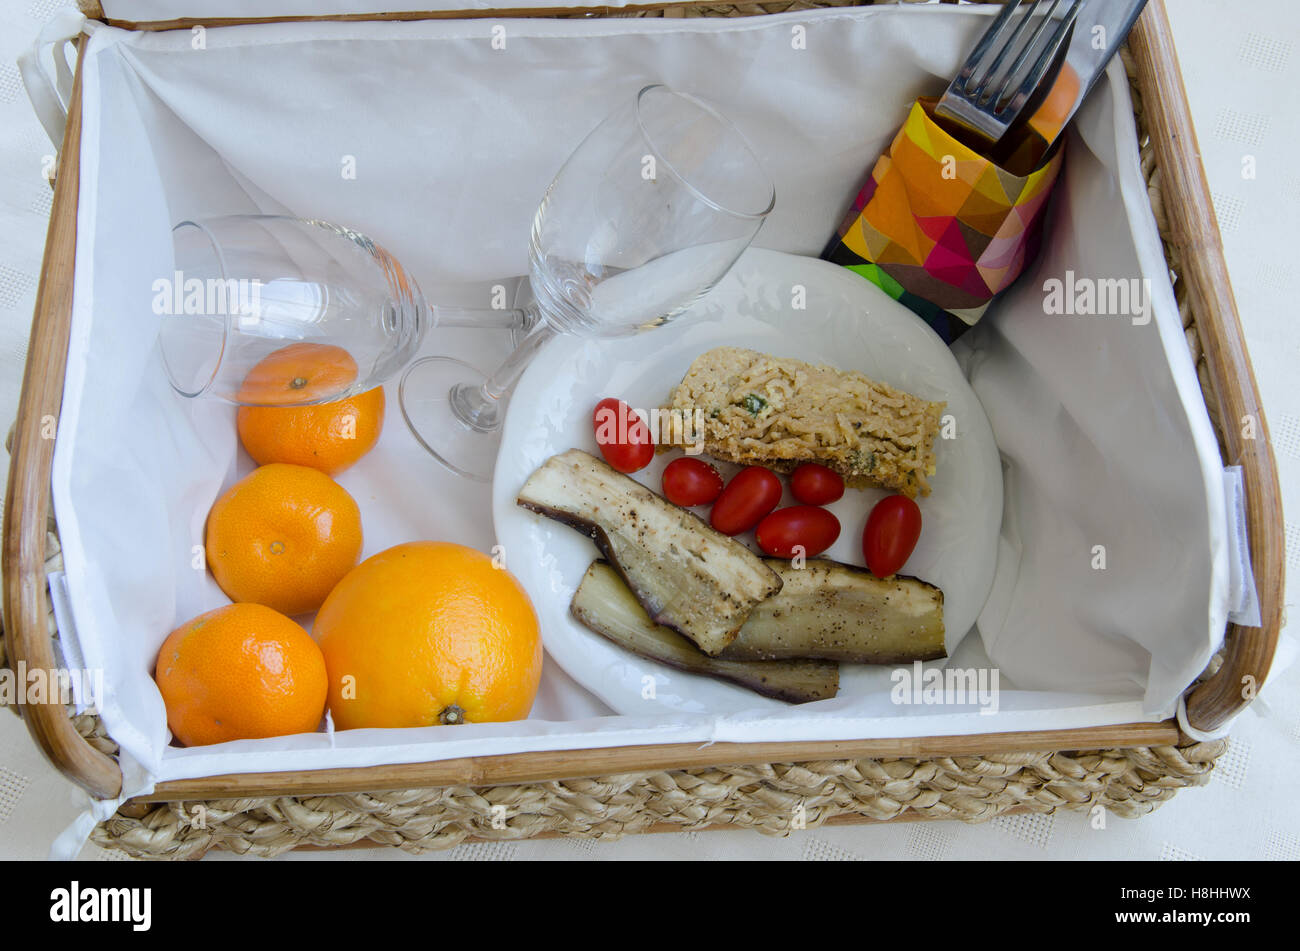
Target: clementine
(427, 633)
(283, 536)
(327, 436)
(298, 373)
(240, 672)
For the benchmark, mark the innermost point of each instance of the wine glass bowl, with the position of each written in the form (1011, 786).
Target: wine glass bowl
(677, 191)
(646, 215)
(252, 294)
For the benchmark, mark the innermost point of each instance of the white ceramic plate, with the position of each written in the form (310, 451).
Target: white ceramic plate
(845, 322)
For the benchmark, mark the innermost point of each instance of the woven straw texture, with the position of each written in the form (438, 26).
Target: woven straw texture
(775, 799)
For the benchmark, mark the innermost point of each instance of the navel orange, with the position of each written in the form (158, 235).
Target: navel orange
(428, 633)
(298, 373)
(283, 536)
(327, 436)
(239, 673)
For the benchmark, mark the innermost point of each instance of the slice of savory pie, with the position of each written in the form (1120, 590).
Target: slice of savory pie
(779, 412)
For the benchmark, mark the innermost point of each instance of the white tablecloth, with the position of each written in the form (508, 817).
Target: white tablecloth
(1237, 76)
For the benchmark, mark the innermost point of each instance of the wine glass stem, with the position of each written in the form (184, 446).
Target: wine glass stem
(482, 407)
(481, 318)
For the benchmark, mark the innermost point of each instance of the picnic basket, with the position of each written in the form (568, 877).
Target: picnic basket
(1128, 769)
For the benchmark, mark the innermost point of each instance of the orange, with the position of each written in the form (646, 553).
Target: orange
(283, 536)
(298, 373)
(239, 673)
(428, 633)
(327, 436)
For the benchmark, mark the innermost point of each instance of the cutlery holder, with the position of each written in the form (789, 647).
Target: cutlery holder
(942, 228)
(1127, 768)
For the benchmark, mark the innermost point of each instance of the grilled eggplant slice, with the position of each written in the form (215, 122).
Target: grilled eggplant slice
(687, 576)
(841, 612)
(604, 604)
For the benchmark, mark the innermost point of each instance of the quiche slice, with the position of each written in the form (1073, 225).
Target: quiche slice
(757, 409)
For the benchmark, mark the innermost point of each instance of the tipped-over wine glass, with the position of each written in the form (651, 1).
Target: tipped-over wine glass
(268, 310)
(645, 217)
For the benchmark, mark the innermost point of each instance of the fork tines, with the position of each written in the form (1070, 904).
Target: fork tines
(1008, 64)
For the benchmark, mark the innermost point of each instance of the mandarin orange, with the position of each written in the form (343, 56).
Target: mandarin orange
(327, 436)
(299, 373)
(283, 536)
(240, 672)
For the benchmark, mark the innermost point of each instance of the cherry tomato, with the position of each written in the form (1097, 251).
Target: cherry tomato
(805, 527)
(892, 529)
(690, 481)
(748, 497)
(813, 484)
(624, 439)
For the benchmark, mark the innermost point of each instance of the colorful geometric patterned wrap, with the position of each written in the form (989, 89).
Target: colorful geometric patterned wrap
(941, 228)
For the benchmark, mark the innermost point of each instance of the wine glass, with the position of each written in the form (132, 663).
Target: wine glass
(644, 218)
(269, 310)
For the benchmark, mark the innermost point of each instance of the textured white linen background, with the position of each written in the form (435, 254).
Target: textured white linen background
(1224, 821)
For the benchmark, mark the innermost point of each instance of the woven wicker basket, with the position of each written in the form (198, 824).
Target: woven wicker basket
(1127, 770)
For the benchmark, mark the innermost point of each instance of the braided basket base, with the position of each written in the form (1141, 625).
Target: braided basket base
(775, 799)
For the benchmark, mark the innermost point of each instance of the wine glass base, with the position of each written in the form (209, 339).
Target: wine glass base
(425, 396)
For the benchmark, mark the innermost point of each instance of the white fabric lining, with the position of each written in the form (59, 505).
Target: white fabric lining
(566, 716)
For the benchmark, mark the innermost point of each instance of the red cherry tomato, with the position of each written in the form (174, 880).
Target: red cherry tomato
(690, 481)
(623, 438)
(748, 497)
(892, 529)
(808, 528)
(813, 484)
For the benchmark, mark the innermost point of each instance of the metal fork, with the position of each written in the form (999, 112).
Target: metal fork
(988, 95)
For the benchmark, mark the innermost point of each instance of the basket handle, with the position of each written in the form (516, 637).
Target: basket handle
(27, 501)
(1248, 651)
